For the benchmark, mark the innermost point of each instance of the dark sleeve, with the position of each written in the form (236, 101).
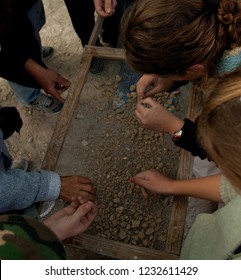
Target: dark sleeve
(178, 84)
(18, 44)
(22, 5)
(188, 140)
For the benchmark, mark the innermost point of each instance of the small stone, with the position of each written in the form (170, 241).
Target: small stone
(118, 78)
(122, 235)
(30, 139)
(132, 88)
(149, 231)
(79, 117)
(84, 143)
(116, 200)
(135, 223)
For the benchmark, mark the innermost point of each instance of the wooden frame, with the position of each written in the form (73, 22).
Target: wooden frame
(112, 248)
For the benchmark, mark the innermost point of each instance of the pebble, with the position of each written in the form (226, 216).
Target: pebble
(136, 223)
(30, 139)
(149, 231)
(79, 117)
(84, 143)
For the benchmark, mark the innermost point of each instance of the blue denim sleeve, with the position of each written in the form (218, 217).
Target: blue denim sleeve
(19, 189)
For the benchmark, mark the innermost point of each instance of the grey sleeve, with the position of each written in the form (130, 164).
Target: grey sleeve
(19, 189)
(227, 190)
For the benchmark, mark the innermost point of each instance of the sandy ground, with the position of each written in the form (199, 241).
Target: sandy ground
(38, 126)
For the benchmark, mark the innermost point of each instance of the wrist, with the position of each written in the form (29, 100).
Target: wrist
(173, 187)
(177, 125)
(32, 67)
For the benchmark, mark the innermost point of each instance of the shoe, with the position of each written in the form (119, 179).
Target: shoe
(97, 66)
(20, 164)
(48, 103)
(47, 52)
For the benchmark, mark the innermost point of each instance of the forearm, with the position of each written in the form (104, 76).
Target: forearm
(205, 188)
(33, 68)
(175, 125)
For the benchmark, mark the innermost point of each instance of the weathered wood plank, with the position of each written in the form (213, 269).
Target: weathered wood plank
(179, 208)
(66, 114)
(96, 31)
(107, 53)
(118, 250)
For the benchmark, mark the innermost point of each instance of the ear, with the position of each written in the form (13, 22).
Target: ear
(195, 71)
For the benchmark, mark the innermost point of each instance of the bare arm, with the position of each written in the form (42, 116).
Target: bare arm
(205, 188)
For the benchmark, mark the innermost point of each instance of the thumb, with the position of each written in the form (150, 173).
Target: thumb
(151, 92)
(83, 209)
(148, 101)
(62, 81)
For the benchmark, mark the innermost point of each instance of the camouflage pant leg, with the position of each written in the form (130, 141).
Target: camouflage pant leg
(22, 237)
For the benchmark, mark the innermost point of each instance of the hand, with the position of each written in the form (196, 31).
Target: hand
(105, 8)
(159, 85)
(75, 186)
(154, 181)
(53, 83)
(154, 116)
(73, 219)
(49, 80)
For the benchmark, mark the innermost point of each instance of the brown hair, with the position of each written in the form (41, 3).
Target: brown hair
(166, 37)
(219, 126)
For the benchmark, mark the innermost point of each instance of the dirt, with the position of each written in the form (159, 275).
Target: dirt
(38, 126)
(106, 143)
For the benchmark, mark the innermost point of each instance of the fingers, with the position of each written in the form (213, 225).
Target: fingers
(145, 104)
(85, 187)
(144, 193)
(105, 8)
(148, 101)
(143, 86)
(62, 81)
(151, 92)
(142, 107)
(84, 180)
(61, 86)
(57, 96)
(84, 209)
(77, 201)
(110, 6)
(137, 181)
(86, 194)
(74, 186)
(92, 214)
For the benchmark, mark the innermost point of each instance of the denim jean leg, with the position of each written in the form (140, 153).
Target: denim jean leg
(25, 95)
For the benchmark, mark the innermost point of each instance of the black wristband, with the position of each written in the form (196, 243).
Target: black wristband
(187, 139)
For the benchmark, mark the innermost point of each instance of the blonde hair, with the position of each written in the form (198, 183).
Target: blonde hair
(166, 37)
(219, 126)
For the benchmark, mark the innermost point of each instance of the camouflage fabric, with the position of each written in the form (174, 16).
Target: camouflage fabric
(23, 238)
